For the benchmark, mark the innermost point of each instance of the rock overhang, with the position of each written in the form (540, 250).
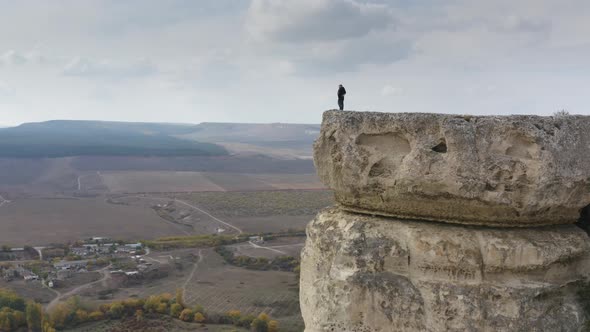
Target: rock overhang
(518, 170)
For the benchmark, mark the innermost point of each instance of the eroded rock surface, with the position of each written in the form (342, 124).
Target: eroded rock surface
(487, 170)
(369, 274)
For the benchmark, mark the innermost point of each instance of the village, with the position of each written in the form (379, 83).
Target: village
(53, 266)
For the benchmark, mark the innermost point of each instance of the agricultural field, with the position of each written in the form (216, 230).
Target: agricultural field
(290, 181)
(157, 181)
(41, 221)
(283, 246)
(220, 287)
(261, 203)
(263, 211)
(207, 280)
(176, 181)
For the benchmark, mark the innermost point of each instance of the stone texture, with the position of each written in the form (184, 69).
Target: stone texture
(488, 170)
(369, 274)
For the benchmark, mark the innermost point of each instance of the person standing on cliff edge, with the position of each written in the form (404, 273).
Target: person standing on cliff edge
(341, 93)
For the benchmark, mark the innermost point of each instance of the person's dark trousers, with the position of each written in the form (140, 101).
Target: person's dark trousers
(341, 103)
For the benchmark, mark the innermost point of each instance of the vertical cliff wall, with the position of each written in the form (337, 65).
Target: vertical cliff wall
(399, 252)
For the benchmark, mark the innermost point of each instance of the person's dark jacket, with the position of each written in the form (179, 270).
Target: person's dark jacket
(341, 92)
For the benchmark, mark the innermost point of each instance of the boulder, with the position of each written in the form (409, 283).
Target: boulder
(370, 274)
(484, 170)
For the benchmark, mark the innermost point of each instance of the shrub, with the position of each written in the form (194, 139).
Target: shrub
(199, 318)
(198, 308)
(260, 324)
(246, 321)
(96, 315)
(234, 316)
(162, 308)
(175, 310)
(186, 315)
(273, 326)
(81, 316)
(139, 315)
(116, 310)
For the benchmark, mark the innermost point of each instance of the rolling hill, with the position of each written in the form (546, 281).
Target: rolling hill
(61, 138)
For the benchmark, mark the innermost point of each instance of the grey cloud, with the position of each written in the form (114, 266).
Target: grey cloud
(354, 54)
(122, 16)
(314, 20)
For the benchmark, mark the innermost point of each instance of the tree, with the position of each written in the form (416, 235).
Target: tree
(246, 321)
(273, 326)
(260, 324)
(47, 327)
(166, 297)
(60, 316)
(104, 308)
(81, 316)
(198, 308)
(175, 310)
(186, 315)
(199, 318)
(179, 297)
(96, 315)
(234, 316)
(132, 305)
(263, 317)
(9, 299)
(5, 321)
(162, 308)
(151, 304)
(34, 315)
(116, 310)
(139, 315)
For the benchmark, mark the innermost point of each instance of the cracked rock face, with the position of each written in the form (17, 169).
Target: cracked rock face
(370, 274)
(483, 170)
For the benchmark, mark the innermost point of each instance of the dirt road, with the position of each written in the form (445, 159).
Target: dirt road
(209, 215)
(106, 275)
(267, 248)
(3, 201)
(192, 207)
(192, 274)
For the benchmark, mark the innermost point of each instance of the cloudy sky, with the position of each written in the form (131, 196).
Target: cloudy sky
(282, 60)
